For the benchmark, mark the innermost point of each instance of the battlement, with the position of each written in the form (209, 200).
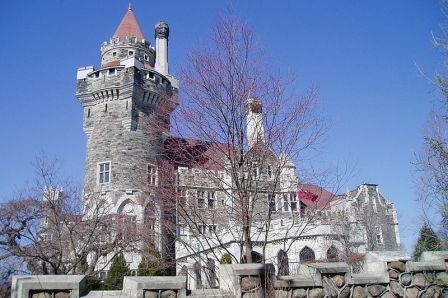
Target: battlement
(118, 49)
(115, 82)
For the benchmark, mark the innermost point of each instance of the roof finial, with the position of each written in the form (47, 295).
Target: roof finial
(129, 6)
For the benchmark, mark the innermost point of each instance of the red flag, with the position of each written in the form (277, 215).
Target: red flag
(307, 195)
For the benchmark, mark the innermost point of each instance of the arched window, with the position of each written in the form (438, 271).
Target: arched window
(127, 207)
(283, 263)
(307, 255)
(256, 257)
(332, 253)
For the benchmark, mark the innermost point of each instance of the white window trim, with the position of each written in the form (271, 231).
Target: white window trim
(114, 73)
(379, 235)
(98, 172)
(272, 198)
(269, 171)
(150, 175)
(203, 197)
(211, 198)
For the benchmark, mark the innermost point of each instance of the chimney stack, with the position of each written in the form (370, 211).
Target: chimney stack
(255, 129)
(162, 32)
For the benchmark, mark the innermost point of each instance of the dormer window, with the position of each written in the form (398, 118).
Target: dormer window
(146, 57)
(131, 53)
(114, 54)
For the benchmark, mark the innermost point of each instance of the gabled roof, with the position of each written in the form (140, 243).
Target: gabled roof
(195, 153)
(129, 27)
(321, 196)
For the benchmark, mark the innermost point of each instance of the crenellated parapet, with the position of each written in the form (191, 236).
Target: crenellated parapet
(119, 49)
(120, 81)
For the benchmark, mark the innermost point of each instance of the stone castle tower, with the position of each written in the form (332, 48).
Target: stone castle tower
(127, 104)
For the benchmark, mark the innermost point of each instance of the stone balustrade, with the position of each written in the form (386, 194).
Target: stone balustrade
(384, 274)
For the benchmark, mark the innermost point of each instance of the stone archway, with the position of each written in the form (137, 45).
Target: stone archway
(127, 208)
(332, 253)
(307, 255)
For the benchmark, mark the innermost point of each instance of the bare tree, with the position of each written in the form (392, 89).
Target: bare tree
(54, 231)
(239, 129)
(432, 162)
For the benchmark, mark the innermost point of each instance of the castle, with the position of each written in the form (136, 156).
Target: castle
(127, 104)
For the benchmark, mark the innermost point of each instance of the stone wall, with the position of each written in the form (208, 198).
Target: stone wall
(384, 274)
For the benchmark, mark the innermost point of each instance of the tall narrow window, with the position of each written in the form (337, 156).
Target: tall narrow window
(285, 203)
(379, 235)
(271, 201)
(201, 199)
(211, 200)
(104, 172)
(255, 170)
(293, 199)
(152, 175)
(211, 229)
(269, 171)
(202, 229)
(182, 195)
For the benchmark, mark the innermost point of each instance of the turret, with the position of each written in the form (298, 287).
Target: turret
(128, 41)
(162, 32)
(127, 106)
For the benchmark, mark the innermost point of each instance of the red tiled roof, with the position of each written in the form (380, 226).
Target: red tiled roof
(148, 66)
(324, 197)
(112, 63)
(195, 153)
(129, 27)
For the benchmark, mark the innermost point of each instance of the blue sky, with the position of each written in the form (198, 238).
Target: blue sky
(361, 54)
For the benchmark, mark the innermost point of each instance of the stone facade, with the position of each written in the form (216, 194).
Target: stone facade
(127, 105)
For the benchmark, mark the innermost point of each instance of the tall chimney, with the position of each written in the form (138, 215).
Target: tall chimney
(162, 31)
(255, 129)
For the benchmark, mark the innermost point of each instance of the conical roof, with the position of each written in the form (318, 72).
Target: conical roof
(129, 27)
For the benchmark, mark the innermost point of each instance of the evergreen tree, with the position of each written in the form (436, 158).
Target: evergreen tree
(148, 268)
(427, 241)
(118, 270)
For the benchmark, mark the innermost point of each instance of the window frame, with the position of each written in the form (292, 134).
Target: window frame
(202, 229)
(153, 177)
(200, 195)
(272, 204)
(379, 235)
(269, 171)
(211, 198)
(100, 173)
